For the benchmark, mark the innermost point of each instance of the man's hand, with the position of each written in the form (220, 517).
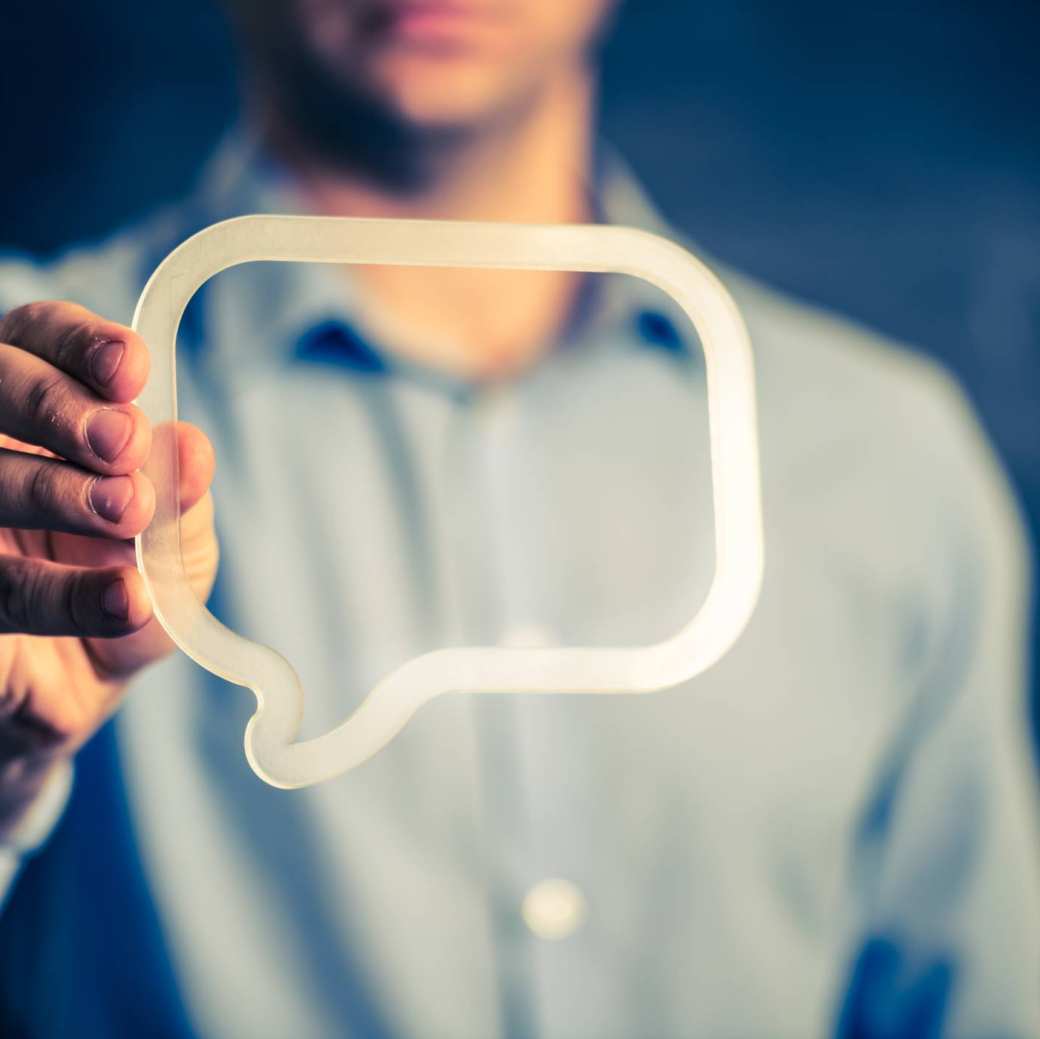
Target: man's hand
(75, 620)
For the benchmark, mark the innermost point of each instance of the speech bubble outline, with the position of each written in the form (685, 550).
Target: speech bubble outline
(270, 736)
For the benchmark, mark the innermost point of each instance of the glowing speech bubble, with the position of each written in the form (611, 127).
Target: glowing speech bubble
(271, 733)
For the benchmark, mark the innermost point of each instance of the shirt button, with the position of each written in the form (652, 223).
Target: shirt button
(554, 908)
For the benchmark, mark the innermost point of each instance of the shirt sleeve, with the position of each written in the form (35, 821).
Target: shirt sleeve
(35, 826)
(948, 856)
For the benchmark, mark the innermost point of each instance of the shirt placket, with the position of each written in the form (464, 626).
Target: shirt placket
(534, 789)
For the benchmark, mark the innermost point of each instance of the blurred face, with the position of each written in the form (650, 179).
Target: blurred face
(420, 64)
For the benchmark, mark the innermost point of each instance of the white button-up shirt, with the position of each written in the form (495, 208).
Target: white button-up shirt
(831, 830)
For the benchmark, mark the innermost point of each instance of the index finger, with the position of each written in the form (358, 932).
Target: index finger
(108, 357)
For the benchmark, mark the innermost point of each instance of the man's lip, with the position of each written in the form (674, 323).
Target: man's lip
(445, 8)
(433, 19)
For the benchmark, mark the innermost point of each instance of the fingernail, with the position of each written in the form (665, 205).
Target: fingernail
(108, 432)
(110, 495)
(115, 602)
(105, 362)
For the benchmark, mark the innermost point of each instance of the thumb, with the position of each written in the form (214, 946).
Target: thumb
(121, 657)
(198, 533)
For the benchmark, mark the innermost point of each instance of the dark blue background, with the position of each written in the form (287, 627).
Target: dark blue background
(881, 159)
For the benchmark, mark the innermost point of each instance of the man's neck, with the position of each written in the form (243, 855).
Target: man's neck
(475, 323)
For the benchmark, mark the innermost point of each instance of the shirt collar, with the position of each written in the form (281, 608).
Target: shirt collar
(298, 307)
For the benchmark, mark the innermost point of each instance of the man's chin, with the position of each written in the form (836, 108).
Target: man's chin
(442, 100)
(384, 119)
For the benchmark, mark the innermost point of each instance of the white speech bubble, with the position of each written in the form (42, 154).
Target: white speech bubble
(270, 738)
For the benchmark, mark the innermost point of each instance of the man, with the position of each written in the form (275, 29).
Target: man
(829, 833)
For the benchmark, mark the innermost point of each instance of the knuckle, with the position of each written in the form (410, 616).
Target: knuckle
(42, 492)
(21, 317)
(72, 342)
(17, 595)
(45, 400)
(73, 601)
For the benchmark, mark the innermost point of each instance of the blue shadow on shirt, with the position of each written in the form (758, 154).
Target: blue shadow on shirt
(888, 1000)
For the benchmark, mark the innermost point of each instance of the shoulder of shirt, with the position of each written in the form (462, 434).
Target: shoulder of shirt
(822, 374)
(836, 372)
(806, 341)
(105, 275)
(900, 421)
